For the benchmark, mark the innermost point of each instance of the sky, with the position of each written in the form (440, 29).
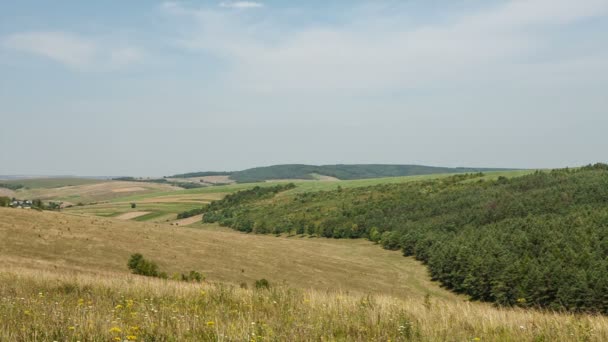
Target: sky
(152, 88)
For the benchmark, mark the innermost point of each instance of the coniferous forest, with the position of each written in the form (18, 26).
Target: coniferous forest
(539, 240)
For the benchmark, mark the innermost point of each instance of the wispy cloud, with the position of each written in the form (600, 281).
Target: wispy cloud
(487, 44)
(241, 4)
(72, 50)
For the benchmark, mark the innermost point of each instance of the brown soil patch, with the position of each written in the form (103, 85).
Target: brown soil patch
(7, 192)
(132, 215)
(131, 189)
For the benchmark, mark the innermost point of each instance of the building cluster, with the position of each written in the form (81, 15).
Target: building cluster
(25, 204)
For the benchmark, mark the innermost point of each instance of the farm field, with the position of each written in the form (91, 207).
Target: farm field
(64, 277)
(167, 203)
(87, 192)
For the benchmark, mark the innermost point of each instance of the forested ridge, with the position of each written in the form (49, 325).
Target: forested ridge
(340, 171)
(539, 240)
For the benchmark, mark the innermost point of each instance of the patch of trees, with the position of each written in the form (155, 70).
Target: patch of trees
(539, 240)
(238, 198)
(202, 174)
(236, 202)
(344, 172)
(4, 201)
(183, 185)
(141, 266)
(190, 213)
(11, 186)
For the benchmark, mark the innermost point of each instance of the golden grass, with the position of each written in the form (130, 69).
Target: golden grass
(49, 240)
(46, 306)
(63, 277)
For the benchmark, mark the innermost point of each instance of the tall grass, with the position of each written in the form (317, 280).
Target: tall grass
(45, 306)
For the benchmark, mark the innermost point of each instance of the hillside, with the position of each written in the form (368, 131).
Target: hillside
(78, 243)
(532, 241)
(342, 172)
(64, 277)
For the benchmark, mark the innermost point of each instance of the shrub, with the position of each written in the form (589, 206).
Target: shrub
(4, 201)
(138, 265)
(133, 205)
(262, 284)
(193, 276)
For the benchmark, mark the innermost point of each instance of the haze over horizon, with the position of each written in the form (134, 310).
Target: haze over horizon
(164, 87)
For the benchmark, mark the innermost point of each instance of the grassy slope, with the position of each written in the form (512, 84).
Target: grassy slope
(89, 296)
(166, 204)
(47, 239)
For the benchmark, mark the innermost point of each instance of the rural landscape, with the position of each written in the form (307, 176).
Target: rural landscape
(327, 171)
(463, 256)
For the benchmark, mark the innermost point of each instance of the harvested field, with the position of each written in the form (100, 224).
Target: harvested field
(132, 215)
(131, 189)
(103, 191)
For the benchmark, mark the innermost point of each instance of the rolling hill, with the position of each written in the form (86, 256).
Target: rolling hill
(534, 241)
(64, 277)
(340, 171)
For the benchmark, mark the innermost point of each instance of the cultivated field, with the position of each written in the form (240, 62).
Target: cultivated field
(164, 204)
(91, 192)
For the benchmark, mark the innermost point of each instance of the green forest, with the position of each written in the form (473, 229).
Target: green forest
(539, 240)
(343, 172)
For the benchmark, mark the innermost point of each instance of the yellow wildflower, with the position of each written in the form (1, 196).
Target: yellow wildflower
(115, 330)
(117, 338)
(80, 302)
(210, 323)
(72, 328)
(118, 307)
(131, 337)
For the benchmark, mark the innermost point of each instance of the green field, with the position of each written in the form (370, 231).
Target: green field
(164, 204)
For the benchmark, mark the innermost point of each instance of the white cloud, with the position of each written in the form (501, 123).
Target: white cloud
(367, 53)
(60, 47)
(72, 50)
(241, 4)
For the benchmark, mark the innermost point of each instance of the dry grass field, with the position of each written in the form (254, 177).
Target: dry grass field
(63, 277)
(95, 192)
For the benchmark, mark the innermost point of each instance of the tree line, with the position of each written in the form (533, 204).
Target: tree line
(539, 240)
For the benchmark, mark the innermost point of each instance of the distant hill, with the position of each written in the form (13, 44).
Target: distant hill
(340, 171)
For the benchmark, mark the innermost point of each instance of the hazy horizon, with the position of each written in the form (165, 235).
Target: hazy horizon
(164, 87)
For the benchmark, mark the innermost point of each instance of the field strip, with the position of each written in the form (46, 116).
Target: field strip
(188, 220)
(132, 215)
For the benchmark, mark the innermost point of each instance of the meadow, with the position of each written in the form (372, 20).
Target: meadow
(63, 277)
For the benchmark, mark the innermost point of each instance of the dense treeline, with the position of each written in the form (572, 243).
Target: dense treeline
(537, 241)
(344, 172)
(11, 186)
(183, 185)
(202, 174)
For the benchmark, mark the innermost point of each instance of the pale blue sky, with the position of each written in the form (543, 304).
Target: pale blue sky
(155, 88)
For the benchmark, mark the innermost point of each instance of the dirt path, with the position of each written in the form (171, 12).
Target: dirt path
(188, 220)
(131, 215)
